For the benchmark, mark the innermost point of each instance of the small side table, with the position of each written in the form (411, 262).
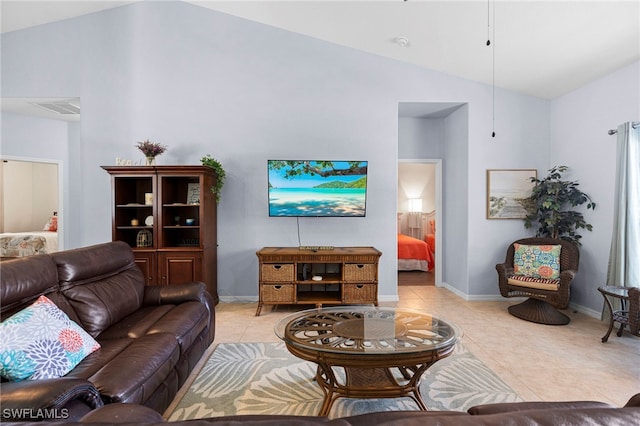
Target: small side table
(620, 316)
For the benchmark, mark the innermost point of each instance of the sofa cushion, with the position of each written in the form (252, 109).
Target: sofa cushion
(102, 283)
(530, 282)
(129, 370)
(22, 281)
(184, 321)
(41, 342)
(106, 301)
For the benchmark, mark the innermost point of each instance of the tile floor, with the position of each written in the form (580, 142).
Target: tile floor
(541, 363)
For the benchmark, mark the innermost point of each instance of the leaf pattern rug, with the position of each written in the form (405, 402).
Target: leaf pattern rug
(264, 378)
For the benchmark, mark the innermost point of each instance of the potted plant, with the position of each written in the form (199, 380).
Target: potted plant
(209, 161)
(151, 150)
(549, 207)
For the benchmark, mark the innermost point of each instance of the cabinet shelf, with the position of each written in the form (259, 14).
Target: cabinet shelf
(134, 206)
(318, 297)
(181, 227)
(135, 227)
(326, 279)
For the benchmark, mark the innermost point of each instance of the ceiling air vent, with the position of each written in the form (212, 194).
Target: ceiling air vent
(63, 108)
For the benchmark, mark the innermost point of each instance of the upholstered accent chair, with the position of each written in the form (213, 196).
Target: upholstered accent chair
(546, 285)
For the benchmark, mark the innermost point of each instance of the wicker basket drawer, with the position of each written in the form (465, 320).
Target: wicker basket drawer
(277, 272)
(284, 293)
(359, 293)
(360, 272)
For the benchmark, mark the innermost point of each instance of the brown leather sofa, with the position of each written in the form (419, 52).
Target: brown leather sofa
(151, 337)
(568, 413)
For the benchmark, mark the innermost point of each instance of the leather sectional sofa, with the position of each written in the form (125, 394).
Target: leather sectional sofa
(150, 337)
(569, 413)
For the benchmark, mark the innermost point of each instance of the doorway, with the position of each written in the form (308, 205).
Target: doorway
(419, 212)
(31, 197)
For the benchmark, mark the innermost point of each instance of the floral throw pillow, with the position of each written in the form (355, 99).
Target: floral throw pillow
(542, 261)
(41, 342)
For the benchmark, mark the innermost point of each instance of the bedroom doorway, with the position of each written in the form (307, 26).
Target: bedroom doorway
(426, 133)
(30, 197)
(419, 210)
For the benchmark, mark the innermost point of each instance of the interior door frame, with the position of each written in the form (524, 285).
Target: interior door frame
(439, 216)
(59, 164)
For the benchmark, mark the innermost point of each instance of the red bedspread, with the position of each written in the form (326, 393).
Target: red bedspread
(412, 248)
(431, 241)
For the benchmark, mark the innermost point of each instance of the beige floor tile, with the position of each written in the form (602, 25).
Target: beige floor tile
(538, 362)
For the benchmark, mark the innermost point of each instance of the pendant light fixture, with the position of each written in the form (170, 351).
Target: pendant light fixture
(491, 35)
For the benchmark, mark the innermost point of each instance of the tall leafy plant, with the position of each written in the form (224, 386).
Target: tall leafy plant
(550, 207)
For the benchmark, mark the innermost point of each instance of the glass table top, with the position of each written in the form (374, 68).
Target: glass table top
(367, 330)
(615, 291)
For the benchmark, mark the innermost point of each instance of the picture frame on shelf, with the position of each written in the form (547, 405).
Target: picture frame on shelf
(507, 191)
(193, 193)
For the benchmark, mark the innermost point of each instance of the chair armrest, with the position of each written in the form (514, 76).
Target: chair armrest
(504, 269)
(567, 275)
(21, 400)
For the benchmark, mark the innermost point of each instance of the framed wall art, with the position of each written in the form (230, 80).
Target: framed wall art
(507, 191)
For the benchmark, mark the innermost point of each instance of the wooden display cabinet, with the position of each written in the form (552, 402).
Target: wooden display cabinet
(167, 214)
(348, 275)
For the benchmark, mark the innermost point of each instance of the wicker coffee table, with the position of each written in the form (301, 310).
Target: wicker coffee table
(382, 351)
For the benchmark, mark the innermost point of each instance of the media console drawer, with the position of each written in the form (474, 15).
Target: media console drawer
(360, 272)
(295, 275)
(282, 293)
(359, 293)
(277, 272)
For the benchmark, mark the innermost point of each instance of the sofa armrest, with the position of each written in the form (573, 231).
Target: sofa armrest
(507, 407)
(174, 294)
(64, 398)
(634, 401)
(123, 413)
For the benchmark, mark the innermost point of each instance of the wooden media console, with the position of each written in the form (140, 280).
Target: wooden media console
(336, 276)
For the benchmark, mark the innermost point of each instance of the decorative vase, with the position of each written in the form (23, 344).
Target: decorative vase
(151, 161)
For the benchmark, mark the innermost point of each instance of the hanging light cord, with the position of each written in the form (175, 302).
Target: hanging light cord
(491, 34)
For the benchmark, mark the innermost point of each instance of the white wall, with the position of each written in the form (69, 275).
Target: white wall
(170, 72)
(579, 124)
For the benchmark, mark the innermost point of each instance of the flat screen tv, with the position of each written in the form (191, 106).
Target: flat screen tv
(317, 188)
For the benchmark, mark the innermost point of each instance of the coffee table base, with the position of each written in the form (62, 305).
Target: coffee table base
(371, 377)
(369, 383)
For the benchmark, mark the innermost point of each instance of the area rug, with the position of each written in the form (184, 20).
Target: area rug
(264, 378)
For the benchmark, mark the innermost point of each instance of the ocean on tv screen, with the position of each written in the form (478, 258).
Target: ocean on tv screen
(317, 188)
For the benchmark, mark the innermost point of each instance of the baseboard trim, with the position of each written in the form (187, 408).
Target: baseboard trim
(469, 298)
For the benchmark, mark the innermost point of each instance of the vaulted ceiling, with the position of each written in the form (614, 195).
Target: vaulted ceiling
(540, 48)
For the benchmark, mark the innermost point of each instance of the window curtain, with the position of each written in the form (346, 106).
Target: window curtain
(624, 263)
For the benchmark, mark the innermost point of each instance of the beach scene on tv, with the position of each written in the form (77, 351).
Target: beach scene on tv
(317, 188)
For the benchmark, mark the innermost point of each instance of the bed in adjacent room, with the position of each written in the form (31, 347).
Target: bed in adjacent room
(20, 244)
(414, 254)
(430, 231)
